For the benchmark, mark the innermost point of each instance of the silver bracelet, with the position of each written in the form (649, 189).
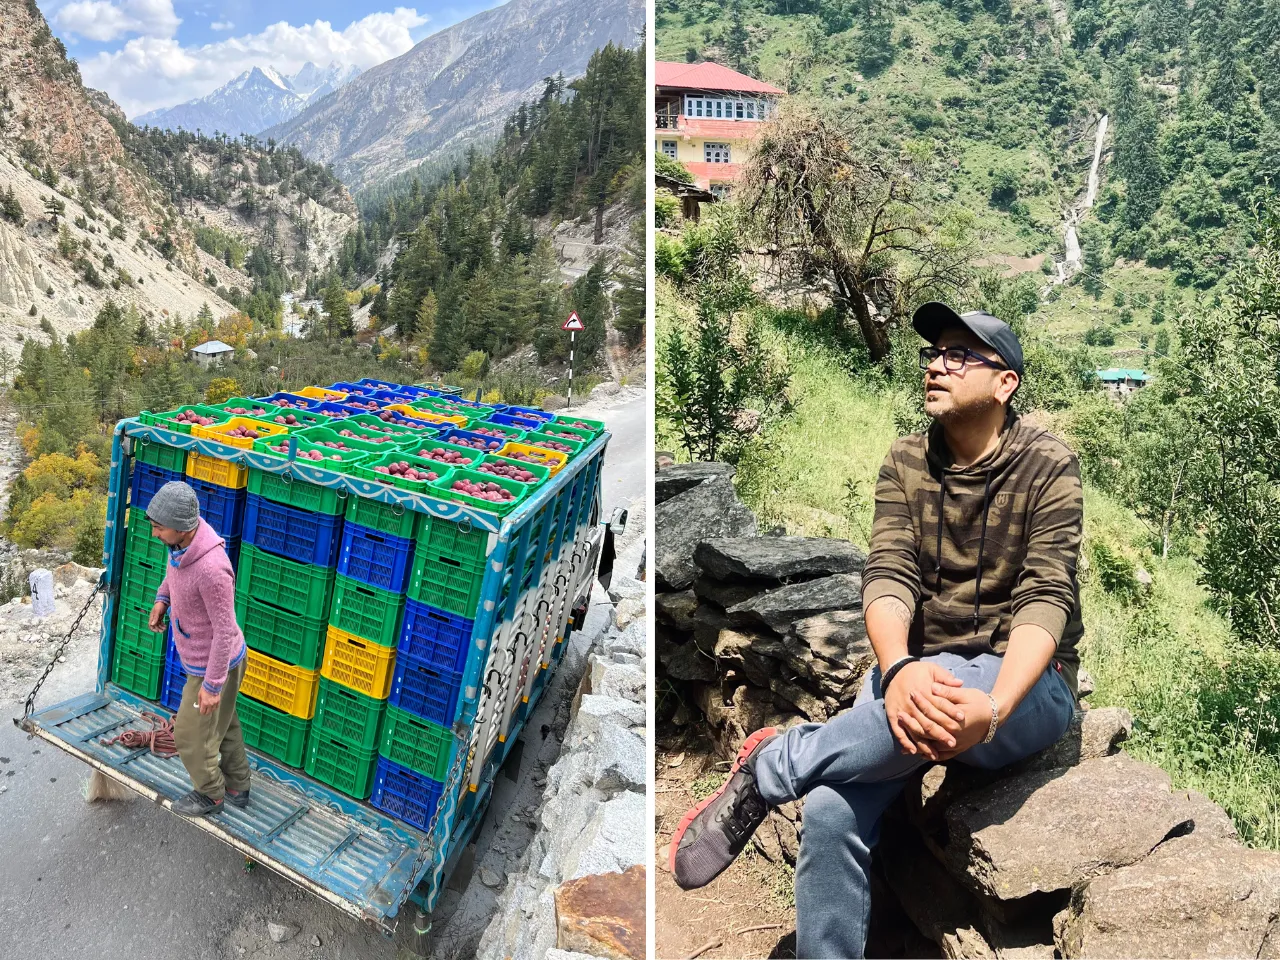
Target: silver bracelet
(995, 720)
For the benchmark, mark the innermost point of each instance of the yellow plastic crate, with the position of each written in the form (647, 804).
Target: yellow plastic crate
(222, 472)
(320, 393)
(552, 459)
(427, 417)
(281, 685)
(218, 431)
(362, 665)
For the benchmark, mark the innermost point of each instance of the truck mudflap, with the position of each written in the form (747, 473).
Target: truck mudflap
(344, 852)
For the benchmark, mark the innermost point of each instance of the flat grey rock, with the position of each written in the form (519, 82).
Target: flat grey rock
(676, 609)
(281, 932)
(1192, 897)
(675, 480)
(1092, 733)
(1049, 830)
(777, 559)
(490, 878)
(617, 760)
(710, 509)
(725, 595)
(778, 609)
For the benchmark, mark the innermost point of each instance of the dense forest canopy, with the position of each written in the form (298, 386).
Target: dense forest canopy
(472, 272)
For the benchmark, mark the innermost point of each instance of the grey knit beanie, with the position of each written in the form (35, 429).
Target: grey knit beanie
(175, 505)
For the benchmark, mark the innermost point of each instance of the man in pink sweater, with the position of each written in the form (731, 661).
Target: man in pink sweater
(198, 593)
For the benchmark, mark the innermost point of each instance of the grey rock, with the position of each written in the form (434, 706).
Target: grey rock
(593, 710)
(281, 932)
(672, 481)
(832, 650)
(724, 595)
(489, 878)
(1192, 897)
(676, 609)
(1084, 683)
(688, 662)
(1051, 829)
(554, 402)
(1092, 733)
(777, 558)
(733, 718)
(625, 588)
(316, 942)
(618, 760)
(613, 840)
(710, 509)
(618, 680)
(555, 954)
(632, 640)
(755, 655)
(779, 609)
(609, 388)
(1207, 818)
(629, 611)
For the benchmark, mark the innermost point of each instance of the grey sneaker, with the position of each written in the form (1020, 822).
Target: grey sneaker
(238, 798)
(713, 833)
(196, 804)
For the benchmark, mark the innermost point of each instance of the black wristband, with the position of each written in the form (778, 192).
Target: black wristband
(893, 672)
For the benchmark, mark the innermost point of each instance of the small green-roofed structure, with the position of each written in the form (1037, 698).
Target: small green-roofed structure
(1121, 382)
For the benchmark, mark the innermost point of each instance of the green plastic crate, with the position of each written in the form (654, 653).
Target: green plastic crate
(346, 458)
(282, 634)
(284, 583)
(445, 583)
(293, 492)
(366, 469)
(583, 437)
(314, 435)
(341, 765)
(595, 427)
(443, 490)
(349, 715)
(392, 518)
(141, 580)
(166, 421)
(139, 544)
(450, 409)
(416, 743)
(136, 670)
(536, 438)
(133, 628)
(463, 542)
(273, 731)
(159, 454)
(365, 611)
(401, 431)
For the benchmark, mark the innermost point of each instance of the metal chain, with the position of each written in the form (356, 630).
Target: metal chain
(30, 705)
(430, 847)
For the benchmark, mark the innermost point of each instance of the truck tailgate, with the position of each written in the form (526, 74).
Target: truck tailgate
(336, 848)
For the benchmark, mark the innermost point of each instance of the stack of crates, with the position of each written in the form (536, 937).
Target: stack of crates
(358, 615)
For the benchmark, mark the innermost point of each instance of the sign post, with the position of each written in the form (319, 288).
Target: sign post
(573, 325)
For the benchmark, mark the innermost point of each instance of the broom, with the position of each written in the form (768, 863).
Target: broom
(99, 786)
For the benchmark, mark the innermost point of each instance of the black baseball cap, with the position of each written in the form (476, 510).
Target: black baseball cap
(932, 318)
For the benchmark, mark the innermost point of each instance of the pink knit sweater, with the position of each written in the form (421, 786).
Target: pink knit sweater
(201, 594)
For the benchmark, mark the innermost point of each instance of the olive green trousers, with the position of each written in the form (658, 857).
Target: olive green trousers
(211, 745)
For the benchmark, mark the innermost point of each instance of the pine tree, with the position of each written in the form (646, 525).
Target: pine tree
(12, 207)
(428, 309)
(339, 321)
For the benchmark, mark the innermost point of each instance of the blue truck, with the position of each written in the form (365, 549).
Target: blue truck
(541, 562)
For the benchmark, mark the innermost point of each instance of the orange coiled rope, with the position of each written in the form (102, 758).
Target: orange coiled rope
(159, 738)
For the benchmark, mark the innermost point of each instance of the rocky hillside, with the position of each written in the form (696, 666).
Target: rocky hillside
(456, 86)
(95, 209)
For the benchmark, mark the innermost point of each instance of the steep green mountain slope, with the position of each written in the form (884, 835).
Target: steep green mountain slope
(1003, 98)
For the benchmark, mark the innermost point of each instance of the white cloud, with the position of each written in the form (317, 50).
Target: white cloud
(150, 72)
(101, 20)
(222, 25)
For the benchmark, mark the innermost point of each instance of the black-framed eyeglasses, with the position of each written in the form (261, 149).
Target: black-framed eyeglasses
(954, 358)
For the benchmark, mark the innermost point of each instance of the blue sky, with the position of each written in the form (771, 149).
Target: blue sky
(156, 53)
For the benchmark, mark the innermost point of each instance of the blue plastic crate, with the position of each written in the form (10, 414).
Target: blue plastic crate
(385, 396)
(232, 547)
(375, 558)
(511, 420)
(425, 691)
(417, 392)
(146, 481)
(290, 532)
(436, 637)
(531, 412)
(346, 387)
(174, 677)
(405, 794)
(221, 507)
(335, 410)
(369, 383)
(453, 435)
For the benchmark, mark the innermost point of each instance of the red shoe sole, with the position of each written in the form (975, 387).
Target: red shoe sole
(744, 751)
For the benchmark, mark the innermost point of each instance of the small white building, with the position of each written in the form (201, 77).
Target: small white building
(211, 352)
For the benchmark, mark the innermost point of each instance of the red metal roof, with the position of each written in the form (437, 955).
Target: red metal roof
(708, 76)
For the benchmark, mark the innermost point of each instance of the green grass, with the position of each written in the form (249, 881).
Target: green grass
(1200, 700)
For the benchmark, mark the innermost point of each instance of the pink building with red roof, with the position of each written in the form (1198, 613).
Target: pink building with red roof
(707, 117)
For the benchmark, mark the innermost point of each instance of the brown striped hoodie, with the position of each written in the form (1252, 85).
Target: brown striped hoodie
(976, 551)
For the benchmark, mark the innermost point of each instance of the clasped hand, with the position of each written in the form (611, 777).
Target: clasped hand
(933, 714)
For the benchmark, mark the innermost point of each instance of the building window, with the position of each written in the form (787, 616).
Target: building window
(669, 148)
(715, 152)
(724, 109)
(721, 190)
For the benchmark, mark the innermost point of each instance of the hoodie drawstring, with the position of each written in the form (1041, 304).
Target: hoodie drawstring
(982, 542)
(942, 499)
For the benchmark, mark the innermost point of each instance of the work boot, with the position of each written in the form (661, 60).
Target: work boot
(713, 833)
(196, 804)
(238, 798)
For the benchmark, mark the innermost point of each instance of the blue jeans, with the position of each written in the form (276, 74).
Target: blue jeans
(851, 768)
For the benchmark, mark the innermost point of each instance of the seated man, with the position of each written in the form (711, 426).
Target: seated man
(973, 609)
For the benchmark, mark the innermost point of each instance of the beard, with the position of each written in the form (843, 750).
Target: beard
(948, 408)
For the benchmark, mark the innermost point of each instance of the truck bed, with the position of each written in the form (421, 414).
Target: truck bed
(344, 852)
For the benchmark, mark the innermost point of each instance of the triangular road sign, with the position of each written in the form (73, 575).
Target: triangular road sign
(574, 322)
